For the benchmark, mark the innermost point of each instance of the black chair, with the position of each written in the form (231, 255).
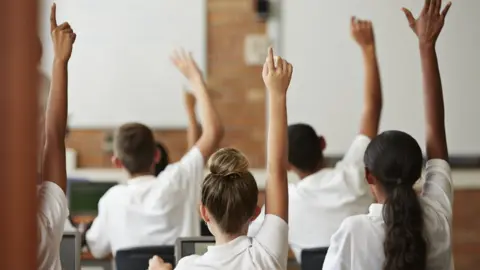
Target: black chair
(137, 258)
(312, 259)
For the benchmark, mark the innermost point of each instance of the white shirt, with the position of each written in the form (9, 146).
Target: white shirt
(320, 202)
(358, 244)
(51, 216)
(150, 210)
(267, 250)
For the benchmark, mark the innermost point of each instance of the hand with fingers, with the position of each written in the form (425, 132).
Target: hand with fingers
(63, 37)
(156, 263)
(277, 73)
(186, 65)
(362, 32)
(430, 22)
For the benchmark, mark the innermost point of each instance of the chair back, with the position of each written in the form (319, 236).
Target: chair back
(137, 258)
(312, 259)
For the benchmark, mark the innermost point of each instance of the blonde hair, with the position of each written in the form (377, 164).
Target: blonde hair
(230, 192)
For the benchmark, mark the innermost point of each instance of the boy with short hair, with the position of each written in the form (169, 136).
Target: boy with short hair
(148, 209)
(325, 196)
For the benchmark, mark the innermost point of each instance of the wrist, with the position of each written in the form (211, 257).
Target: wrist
(368, 50)
(426, 46)
(277, 95)
(60, 61)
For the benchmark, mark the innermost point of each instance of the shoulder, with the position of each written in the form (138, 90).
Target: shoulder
(113, 194)
(187, 262)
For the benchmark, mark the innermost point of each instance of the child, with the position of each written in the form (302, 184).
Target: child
(230, 193)
(53, 208)
(155, 210)
(405, 231)
(193, 133)
(331, 193)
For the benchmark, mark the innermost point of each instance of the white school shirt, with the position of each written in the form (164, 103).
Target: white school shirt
(149, 210)
(268, 250)
(51, 216)
(320, 202)
(358, 244)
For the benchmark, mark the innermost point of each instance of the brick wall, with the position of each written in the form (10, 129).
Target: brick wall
(241, 101)
(241, 104)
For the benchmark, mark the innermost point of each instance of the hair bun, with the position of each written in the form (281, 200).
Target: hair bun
(228, 162)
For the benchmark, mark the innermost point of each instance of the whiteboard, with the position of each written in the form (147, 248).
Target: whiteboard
(120, 69)
(328, 81)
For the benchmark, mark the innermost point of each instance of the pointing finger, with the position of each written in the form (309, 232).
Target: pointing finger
(53, 17)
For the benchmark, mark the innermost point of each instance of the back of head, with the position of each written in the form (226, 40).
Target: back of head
(134, 146)
(394, 158)
(304, 148)
(230, 192)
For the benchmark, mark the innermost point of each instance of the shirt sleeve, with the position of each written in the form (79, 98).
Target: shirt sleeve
(438, 185)
(339, 251)
(97, 236)
(273, 237)
(53, 206)
(256, 224)
(189, 171)
(355, 153)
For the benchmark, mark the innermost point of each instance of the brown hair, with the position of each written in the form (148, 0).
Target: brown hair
(134, 146)
(230, 192)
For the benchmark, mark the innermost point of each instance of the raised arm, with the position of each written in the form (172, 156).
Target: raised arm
(54, 167)
(362, 33)
(427, 28)
(212, 126)
(193, 129)
(276, 75)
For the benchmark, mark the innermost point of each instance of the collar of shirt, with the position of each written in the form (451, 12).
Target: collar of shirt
(140, 180)
(375, 210)
(313, 180)
(228, 250)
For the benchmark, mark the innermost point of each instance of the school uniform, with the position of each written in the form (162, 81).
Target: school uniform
(321, 201)
(149, 210)
(267, 250)
(51, 216)
(358, 244)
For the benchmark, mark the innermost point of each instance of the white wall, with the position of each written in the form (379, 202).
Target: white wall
(327, 85)
(120, 69)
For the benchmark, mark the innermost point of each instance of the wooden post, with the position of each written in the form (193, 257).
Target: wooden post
(18, 109)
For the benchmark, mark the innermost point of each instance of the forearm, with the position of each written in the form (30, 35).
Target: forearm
(434, 107)
(372, 95)
(277, 152)
(212, 126)
(54, 168)
(57, 109)
(193, 130)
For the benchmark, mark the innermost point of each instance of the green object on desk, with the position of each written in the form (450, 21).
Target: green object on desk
(83, 196)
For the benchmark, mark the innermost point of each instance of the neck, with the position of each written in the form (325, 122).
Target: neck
(223, 239)
(301, 175)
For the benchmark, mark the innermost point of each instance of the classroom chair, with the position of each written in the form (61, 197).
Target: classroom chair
(312, 259)
(137, 258)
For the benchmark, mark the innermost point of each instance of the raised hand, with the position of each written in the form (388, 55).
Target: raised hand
(276, 73)
(186, 65)
(362, 32)
(429, 24)
(63, 37)
(156, 263)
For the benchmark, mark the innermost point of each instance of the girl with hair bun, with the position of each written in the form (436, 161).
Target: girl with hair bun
(229, 195)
